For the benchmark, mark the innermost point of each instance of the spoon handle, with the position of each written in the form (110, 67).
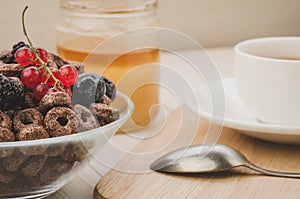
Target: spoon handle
(272, 173)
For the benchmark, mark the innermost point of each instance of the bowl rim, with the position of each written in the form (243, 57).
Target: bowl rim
(72, 137)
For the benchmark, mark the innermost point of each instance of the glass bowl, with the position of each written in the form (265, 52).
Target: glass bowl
(37, 168)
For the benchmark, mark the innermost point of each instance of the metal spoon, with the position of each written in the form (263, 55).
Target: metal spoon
(209, 158)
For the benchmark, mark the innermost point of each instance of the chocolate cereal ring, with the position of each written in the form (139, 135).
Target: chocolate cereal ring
(5, 152)
(19, 185)
(5, 56)
(11, 70)
(6, 135)
(14, 161)
(59, 62)
(87, 121)
(6, 177)
(61, 121)
(75, 152)
(5, 121)
(30, 100)
(103, 112)
(53, 168)
(55, 150)
(10, 113)
(26, 117)
(105, 100)
(32, 133)
(33, 165)
(54, 99)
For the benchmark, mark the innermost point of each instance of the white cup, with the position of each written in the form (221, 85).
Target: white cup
(268, 78)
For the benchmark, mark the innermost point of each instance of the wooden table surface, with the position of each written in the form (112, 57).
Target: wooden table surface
(83, 185)
(132, 178)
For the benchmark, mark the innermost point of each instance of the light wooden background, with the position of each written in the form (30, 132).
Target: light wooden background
(212, 23)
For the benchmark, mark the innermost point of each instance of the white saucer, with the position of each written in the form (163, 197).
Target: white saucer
(239, 117)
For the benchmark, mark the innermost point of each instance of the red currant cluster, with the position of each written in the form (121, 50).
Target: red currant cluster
(42, 79)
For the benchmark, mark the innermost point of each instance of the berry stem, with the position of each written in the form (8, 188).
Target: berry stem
(27, 37)
(57, 82)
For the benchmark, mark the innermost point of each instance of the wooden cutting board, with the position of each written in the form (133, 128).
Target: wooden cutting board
(132, 178)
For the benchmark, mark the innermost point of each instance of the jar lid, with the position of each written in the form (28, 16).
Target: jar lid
(109, 5)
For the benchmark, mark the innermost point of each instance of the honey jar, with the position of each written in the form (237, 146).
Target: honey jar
(115, 38)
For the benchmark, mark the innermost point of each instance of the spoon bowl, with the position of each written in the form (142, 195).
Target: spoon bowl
(208, 158)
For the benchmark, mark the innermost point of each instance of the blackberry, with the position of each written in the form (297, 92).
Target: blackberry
(11, 92)
(16, 47)
(89, 88)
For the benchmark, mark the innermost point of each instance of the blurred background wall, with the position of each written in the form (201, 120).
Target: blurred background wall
(210, 22)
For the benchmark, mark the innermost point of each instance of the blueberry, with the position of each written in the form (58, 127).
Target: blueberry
(88, 88)
(110, 88)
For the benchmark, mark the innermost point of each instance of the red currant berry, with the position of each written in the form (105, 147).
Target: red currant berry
(46, 76)
(40, 90)
(42, 54)
(68, 75)
(54, 90)
(68, 91)
(24, 56)
(30, 76)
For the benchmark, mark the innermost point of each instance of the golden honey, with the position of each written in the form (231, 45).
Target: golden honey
(136, 73)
